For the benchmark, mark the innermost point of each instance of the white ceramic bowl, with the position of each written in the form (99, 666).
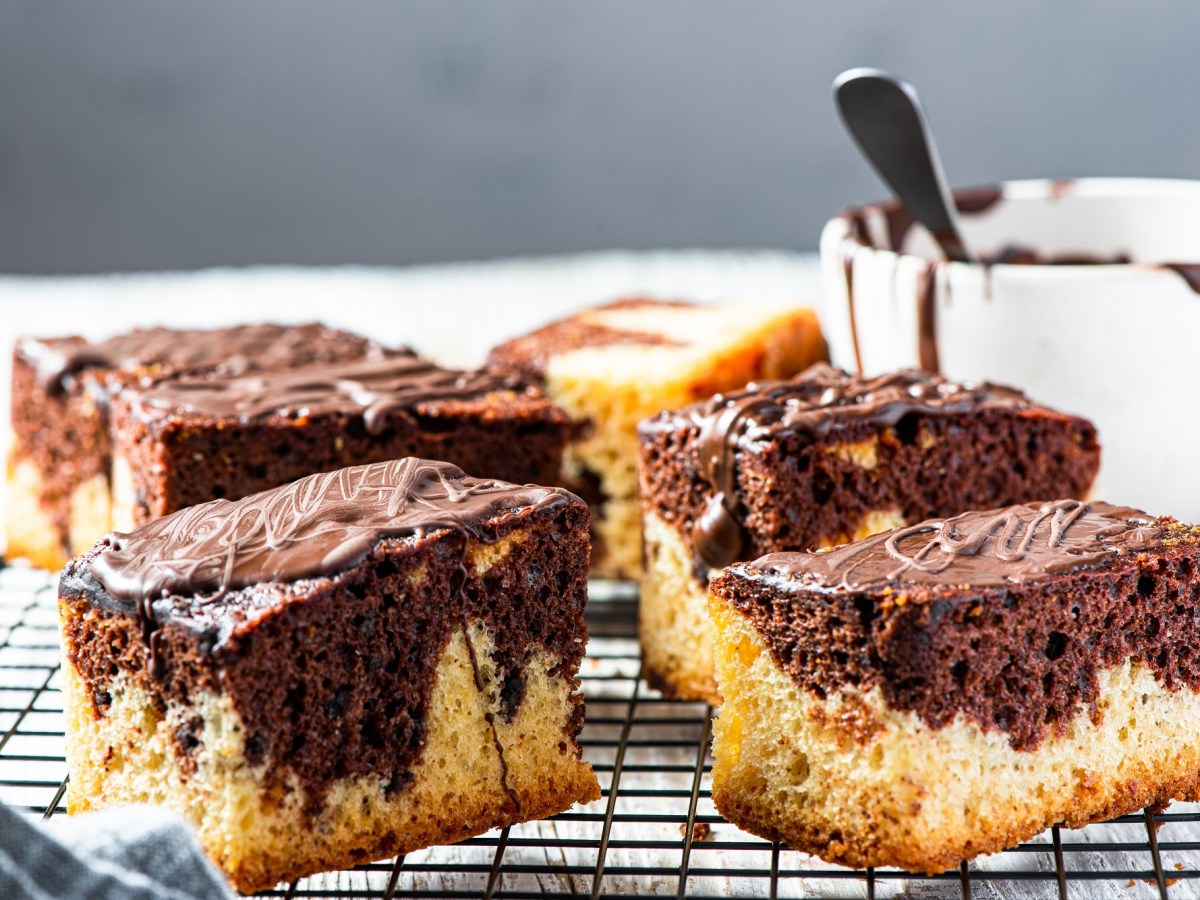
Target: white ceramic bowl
(1118, 343)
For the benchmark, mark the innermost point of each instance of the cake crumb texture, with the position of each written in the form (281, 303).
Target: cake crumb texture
(856, 782)
(262, 836)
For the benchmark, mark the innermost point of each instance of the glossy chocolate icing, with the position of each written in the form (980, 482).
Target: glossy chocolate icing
(816, 402)
(981, 548)
(233, 350)
(316, 526)
(373, 387)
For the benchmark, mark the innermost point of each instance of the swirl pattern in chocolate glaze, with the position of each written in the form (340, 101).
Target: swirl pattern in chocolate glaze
(318, 525)
(233, 350)
(817, 402)
(373, 387)
(981, 548)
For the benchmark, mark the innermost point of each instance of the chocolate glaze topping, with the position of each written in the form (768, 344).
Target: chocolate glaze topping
(897, 222)
(982, 548)
(816, 402)
(927, 343)
(318, 525)
(374, 387)
(233, 350)
(1189, 272)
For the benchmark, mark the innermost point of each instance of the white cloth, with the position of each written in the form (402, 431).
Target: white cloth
(131, 853)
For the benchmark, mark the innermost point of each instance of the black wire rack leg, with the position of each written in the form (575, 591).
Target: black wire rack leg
(1159, 875)
(697, 777)
(1060, 869)
(964, 876)
(497, 857)
(58, 795)
(613, 787)
(394, 879)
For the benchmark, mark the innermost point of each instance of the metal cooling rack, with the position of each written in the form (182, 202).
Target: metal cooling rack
(654, 831)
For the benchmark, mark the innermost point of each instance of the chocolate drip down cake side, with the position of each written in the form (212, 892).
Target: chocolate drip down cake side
(955, 687)
(359, 664)
(59, 500)
(822, 459)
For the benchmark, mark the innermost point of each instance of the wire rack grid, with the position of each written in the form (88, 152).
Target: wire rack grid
(653, 832)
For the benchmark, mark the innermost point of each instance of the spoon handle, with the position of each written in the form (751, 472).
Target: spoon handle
(884, 115)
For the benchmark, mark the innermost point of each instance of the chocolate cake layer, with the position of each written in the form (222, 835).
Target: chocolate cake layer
(1004, 616)
(300, 604)
(190, 439)
(705, 467)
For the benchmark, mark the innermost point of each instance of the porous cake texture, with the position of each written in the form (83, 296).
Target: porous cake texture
(613, 365)
(58, 499)
(356, 665)
(190, 439)
(818, 460)
(953, 688)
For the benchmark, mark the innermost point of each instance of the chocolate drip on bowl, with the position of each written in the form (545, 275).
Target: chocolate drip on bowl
(1189, 272)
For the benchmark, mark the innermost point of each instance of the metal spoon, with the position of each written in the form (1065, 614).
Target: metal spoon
(884, 116)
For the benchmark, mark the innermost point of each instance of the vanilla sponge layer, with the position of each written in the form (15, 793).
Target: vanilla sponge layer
(856, 782)
(674, 625)
(260, 837)
(702, 350)
(31, 532)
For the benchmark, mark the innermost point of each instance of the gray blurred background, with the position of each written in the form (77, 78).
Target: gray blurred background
(142, 134)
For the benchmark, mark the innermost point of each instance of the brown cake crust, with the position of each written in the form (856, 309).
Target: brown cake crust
(60, 394)
(185, 441)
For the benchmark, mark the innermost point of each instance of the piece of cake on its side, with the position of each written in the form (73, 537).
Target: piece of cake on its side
(186, 440)
(358, 664)
(819, 460)
(59, 500)
(613, 365)
(954, 688)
